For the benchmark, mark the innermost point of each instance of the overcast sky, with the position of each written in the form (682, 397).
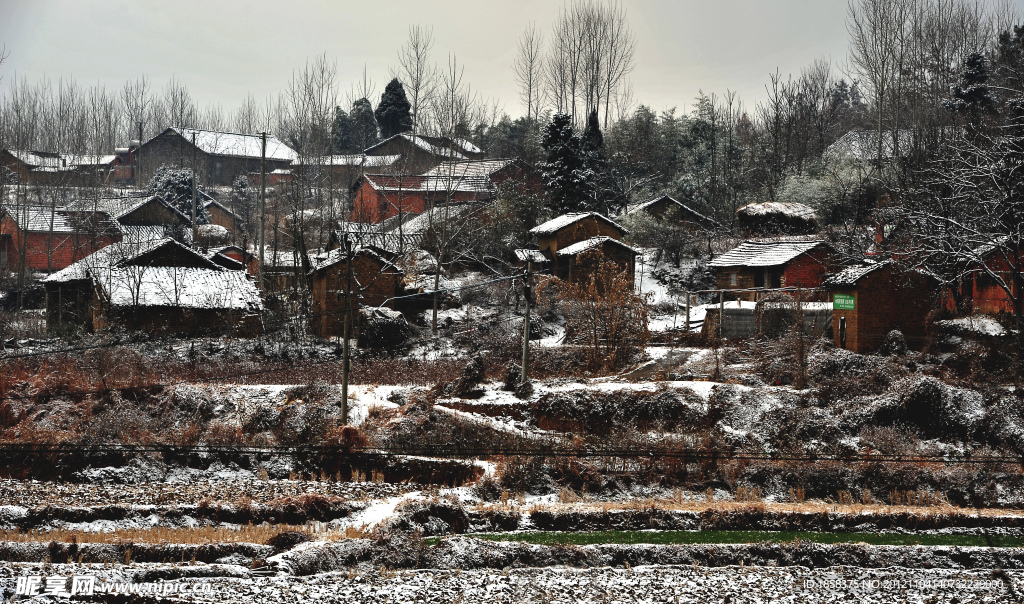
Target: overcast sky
(224, 50)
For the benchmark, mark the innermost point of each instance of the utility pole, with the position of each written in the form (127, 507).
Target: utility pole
(525, 376)
(345, 331)
(263, 206)
(138, 160)
(195, 188)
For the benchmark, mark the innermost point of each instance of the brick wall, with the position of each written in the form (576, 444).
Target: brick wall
(374, 283)
(371, 205)
(67, 248)
(883, 302)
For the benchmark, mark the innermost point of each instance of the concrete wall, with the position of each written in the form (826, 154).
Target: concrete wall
(739, 320)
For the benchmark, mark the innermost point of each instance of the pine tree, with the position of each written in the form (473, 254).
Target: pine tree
(566, 175)
(394, 113)
(342, 133)
(364, 124)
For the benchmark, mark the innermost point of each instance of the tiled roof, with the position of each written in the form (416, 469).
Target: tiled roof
(766, 253)
(37, 219)
(181, 287)
(430, 183)
(111, 255)
(850, 275)
(557, 224)
(587, 244)
(536, 256)
(482, 168)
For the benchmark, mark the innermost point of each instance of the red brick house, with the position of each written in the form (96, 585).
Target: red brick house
(375, 281)
(562, 241)
(988, 295)
(52, 238)
(382, 196)
(774, 263)
(870, 301)
(221, 157)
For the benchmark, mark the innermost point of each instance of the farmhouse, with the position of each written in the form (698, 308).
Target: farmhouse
(564, 240)
(52, 168)
(872, 300)
(382, 196)
(51, 238)
(419, 153)
(220, 157)
(773, 263)
(158, 287)
(375, 281)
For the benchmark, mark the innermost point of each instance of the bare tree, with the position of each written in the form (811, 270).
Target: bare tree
(528, 68)
(416, 73)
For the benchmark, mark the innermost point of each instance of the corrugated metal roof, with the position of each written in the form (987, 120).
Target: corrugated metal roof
(482, 168)
(557, 224)
(430, 183)
(765, 253)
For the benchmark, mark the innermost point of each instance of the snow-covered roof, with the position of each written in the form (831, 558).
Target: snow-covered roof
(481, 168)
(438, 146)
(47, 161)
(325, 260)
(440, 183)
(850, 275)
(237, 145)
(557, 224)
(682, 206)
(119, 207)
(766, 253)
(588, 244)
(181, 287)
(111, 255)
(768, 208)
(421, 223)
(353, 159)
(37, 219)
(535, 256)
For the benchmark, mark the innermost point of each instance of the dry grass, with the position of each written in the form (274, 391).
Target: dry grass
(912, 502)
(192, 536)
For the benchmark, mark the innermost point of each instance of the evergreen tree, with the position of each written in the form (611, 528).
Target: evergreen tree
(972, 96)
(364, 124)
(566, 175)
(175, 187)
(394, 113)
(342, 133)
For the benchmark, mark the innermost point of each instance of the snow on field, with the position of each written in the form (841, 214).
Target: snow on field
(647, 284)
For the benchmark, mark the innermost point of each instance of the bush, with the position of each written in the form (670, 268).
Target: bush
(605, 314)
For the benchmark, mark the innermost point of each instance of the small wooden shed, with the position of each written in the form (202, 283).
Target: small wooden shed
(375, 282)
(870, 301)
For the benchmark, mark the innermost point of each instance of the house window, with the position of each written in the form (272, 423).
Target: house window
(732, 279)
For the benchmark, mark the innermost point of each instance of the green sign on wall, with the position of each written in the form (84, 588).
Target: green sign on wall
(843, 302)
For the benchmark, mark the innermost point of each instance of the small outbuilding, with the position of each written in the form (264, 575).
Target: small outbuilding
(577, 262)
(566, 240)
(667, 208)
(870, 301)
(773, 264)
(773, 218)
(375, 282)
